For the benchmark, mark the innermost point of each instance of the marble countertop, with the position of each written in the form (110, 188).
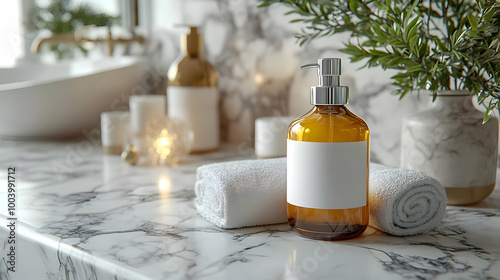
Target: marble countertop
(83, 214)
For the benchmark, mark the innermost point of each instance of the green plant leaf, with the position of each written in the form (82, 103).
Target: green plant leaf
(472, 21)
(430, 42)
(457, 37)
(397, 43)
(377, 52)
(353, 5)
(489, 110)
(415, 68)
(411, 29)
(414, 45)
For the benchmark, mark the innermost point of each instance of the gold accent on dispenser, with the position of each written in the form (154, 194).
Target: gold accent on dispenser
(192, 42)
(192, 69)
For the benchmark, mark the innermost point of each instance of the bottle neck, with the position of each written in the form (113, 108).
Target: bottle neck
(326, 95)
(192, 45)
(328, 109)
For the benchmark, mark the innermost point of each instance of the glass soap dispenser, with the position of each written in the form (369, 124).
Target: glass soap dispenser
(327, 163)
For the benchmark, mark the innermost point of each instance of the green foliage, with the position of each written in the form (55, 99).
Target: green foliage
(434, 45)
(61, 17)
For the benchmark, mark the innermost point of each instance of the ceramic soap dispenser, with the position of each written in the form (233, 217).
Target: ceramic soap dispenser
(192, 94)
(327, 162)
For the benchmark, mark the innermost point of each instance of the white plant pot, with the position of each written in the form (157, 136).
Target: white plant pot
(450, 143)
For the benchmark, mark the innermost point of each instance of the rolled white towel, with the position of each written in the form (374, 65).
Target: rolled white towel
(242, 193)
(404, 202)
(253, 192)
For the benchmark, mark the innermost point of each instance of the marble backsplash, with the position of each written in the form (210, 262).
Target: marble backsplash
(258, 59)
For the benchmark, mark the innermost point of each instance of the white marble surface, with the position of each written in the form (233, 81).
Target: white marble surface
(87, 215)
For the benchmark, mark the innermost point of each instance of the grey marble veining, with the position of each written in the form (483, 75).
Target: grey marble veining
(102, 219)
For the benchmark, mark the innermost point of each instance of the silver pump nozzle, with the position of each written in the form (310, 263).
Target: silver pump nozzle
(329, 91)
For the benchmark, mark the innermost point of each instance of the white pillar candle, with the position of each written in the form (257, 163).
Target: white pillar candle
(271, 135)
(144, 109)
(114, 130)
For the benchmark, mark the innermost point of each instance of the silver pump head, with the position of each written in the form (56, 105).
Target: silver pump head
(329, 91)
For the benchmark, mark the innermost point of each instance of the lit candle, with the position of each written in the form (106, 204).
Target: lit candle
(271, 135)
(144, 109)
(114, 130)
(163, 145)
(167, 142)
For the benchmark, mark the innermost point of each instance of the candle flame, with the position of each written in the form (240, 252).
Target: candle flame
(163, 144)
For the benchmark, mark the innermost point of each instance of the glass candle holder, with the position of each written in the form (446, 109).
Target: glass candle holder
(168, 141)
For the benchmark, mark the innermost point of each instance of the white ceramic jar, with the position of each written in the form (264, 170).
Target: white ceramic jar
(450, 143)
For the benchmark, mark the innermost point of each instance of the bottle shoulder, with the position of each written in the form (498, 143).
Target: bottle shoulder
(323, 117)
(328, 124)
(192, 71)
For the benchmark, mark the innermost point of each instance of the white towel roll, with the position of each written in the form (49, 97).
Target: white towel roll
(253, 192)
(404, 202)
(242, 193)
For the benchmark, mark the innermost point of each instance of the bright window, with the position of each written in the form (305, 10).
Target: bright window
(11, 41)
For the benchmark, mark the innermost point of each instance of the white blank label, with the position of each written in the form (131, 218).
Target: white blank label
(198, 108)
(327, 175)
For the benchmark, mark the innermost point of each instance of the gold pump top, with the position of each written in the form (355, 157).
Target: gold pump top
(192, 43)
(191, 69)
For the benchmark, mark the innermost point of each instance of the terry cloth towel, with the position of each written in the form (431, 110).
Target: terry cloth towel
(242, 193)
(404, 202)
(253, 192)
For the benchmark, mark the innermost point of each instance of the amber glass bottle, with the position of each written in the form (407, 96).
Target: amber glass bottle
(328, 159)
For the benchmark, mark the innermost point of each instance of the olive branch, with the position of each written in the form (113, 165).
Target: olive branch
(434, 45)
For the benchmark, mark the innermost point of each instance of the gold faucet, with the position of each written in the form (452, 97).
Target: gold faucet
(78, 38)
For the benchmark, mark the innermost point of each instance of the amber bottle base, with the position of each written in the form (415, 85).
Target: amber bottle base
(328, 232)
(464, 196)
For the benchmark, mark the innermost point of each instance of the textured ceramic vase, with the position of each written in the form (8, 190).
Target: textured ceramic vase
(450, 143)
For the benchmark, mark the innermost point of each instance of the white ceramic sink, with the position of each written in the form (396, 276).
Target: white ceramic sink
(64, 99)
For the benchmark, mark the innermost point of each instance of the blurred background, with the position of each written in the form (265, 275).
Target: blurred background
(252, 48)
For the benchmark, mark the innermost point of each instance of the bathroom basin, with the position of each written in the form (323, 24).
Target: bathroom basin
(39, 101)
